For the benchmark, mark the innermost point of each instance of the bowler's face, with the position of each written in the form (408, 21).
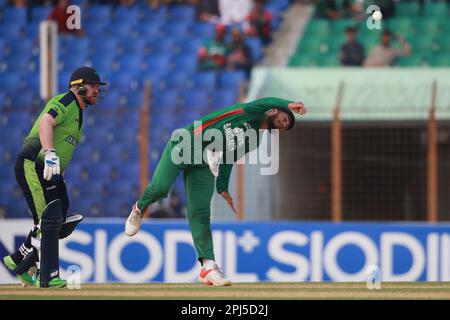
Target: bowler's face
(282, 121)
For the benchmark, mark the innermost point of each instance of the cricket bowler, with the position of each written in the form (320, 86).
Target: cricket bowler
(232, 123)
(46, 152)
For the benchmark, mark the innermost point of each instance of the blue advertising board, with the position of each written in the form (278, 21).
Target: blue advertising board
(250, 251)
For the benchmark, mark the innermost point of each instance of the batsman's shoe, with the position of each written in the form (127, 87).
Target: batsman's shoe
(25, 277)
(213, 277)
(53, 283)
(133, 223)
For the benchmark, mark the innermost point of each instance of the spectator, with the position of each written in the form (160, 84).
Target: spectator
(234, 11)
(260, 22)
(351, 52)
(60, 15)
(207, 10)
(20, 3)
(239, 57)
(383, 54)
(212, 54)
(328, 9)
(352, 9)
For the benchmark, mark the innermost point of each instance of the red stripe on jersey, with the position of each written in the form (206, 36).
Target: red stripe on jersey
(208, 123)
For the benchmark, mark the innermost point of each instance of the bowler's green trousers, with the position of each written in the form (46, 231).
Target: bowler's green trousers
(199, 187)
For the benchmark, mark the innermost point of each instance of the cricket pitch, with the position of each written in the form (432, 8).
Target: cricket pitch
(246, 291)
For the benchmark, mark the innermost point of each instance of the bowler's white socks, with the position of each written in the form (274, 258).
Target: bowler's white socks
(208, 264)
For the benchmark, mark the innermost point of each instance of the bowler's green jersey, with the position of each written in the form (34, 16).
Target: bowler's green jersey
(233, 122)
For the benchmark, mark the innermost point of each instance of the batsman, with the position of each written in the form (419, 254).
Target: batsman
(213, 170)
(45, 155)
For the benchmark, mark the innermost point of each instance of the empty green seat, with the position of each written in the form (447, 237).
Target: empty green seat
(422, 45)
(330, 60)
(303, 60)
(318, 27)
(339, 26)
(312, 44)
(335, 43)
(408, 9)
(402, 25)
(436, 9)
(443, 43)
(410, 61)
(439, 60)
(429, 25)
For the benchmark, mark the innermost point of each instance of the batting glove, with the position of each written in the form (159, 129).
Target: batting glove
(51, 164)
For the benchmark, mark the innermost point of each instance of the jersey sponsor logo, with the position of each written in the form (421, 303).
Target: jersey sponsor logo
(72, 140)
(230, 134)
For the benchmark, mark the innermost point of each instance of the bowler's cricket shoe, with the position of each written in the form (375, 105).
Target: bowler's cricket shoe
(25, 277)
(133, 223)
(213, 277)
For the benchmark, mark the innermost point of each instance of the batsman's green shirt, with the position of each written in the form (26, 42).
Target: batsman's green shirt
(67, 134)
(237, 118)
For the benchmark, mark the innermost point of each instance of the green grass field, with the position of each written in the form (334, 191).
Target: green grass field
(251, 291)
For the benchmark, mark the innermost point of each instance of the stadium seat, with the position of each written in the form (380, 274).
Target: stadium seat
(177, 81)
(182, 13)
(156, 15)
(330, 60)
(436, 9)
(168, 101)
(407, 9)
(177, 30)
(303, 60)
(231, 79)
(196, 100)
(76, 46)
(255, 46)
(99, 13)
(96, 29)
(441, 60)
(186, 63)
(430, 26)
(339, 26)
(122, 30)
(106, 45)
(163, 46)
(126, 14)
(9, 82)
(24, 101)
(119, 208)
(223, 98)
(159, 63)
(190, 46)
(132, 101)
(16, 15)
(7, 32)
(21, 47)
(318, 28)
(205, 80)
(131, 63)
(40, 13)
(150, 30)
(70, 63)
(203, 31)
(411, 61)
(422, 45)
(137, 46)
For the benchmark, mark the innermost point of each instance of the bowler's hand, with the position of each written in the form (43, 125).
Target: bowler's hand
(297, 107)
(229, 200)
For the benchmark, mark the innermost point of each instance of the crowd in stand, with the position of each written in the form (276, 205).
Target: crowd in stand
(352, 52)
